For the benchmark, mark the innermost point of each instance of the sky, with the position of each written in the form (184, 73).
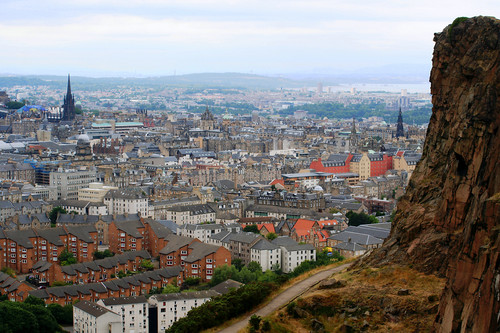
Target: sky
(271, 37)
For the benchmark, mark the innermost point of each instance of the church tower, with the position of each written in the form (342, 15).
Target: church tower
(207, 121)
(400, 132)
(69, 104)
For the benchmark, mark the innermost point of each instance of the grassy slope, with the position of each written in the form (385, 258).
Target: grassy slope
(369, 302)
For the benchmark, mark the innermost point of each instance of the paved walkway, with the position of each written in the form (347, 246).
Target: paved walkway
(285, 297)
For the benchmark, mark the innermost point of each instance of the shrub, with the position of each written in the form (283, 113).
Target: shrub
(255, 322)
(222, 308)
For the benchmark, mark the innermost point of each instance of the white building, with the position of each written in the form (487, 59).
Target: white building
(69, 181)
(267, 254)
(129, 200)
(89, 317)
(95, 192)
(172, 307)
(200, 231)
(293, 253)
(192, 214)
(134, 312)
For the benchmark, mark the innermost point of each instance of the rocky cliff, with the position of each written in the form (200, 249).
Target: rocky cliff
(448, 222)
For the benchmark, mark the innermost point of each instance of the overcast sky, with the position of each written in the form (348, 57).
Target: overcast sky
(163, 37)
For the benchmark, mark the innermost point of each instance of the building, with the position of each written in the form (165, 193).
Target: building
(202, 259)
(126, 236)
(134, 312)
(134, 285)
(200, 231)
(267, 254)
(69, 113)
(127, 201)
(89, 317)
(293, 253)
(191, 214)
(95, 192)
(171, 307)
(17, 171)
(69, 181)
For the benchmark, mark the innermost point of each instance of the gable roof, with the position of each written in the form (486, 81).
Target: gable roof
(200, 250)
(130, 227)
(175, 242)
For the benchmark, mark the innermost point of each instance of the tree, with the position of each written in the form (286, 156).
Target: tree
(356, 219)
(255, 322)
(251, 228)
(224, 272)
(192, 281)
(103, 254)
(14, 318)
(67, 258)
(62, 314)
(270, 236)
(237, 263)
(334, 211)
(14, 105)
(9, 271)
(254, 266)
(46, 321)
(147, 265)
(55, 212)
(246, 276)
(170, 289)
(34, 300)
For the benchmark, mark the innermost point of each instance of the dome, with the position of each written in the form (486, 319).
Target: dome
(318, 188)
(83, 137)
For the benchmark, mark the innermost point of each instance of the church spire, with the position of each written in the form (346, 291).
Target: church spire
(69, 104)
(400, 132)
(68, 92)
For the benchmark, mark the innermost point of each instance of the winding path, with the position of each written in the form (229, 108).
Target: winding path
(285, 297)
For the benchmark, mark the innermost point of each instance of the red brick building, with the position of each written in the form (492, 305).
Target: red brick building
(135, 285)
(126, 236)
(202, 259)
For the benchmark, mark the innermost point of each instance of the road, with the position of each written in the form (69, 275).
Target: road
(285, 297)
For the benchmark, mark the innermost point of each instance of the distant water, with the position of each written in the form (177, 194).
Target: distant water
(396, 87)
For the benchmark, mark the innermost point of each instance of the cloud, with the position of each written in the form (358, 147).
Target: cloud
(258, 34)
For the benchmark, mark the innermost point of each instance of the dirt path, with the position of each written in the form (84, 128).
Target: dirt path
(285, 297)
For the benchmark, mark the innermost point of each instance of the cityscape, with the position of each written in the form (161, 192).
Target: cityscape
(249, 166)
(173, 194)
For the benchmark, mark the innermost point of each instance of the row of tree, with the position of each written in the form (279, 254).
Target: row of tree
(33, 316)
(223, 308)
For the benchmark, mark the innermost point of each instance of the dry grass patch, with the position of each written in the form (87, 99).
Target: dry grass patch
(373, 300)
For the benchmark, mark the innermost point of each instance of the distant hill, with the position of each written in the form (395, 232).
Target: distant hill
(203, 80)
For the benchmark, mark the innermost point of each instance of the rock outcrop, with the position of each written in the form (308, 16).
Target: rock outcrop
(448, 221)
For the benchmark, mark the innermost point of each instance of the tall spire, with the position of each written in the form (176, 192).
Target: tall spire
(68, 92)
(69, 104)
(400, 132)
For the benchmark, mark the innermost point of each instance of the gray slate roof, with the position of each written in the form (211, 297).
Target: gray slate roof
(264, 244)
(91, 308)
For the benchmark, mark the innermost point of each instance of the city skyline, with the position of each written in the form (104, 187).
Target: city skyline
(151, 38)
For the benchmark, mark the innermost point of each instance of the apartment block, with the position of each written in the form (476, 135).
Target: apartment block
(68, 182)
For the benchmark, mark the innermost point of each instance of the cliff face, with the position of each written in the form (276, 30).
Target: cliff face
(448, 222)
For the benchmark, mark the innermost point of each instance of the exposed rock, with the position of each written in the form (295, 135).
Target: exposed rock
(345, 328)
(448, 221)
(403, 292)
(301, 313)
(317, 326)
(331, 283)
